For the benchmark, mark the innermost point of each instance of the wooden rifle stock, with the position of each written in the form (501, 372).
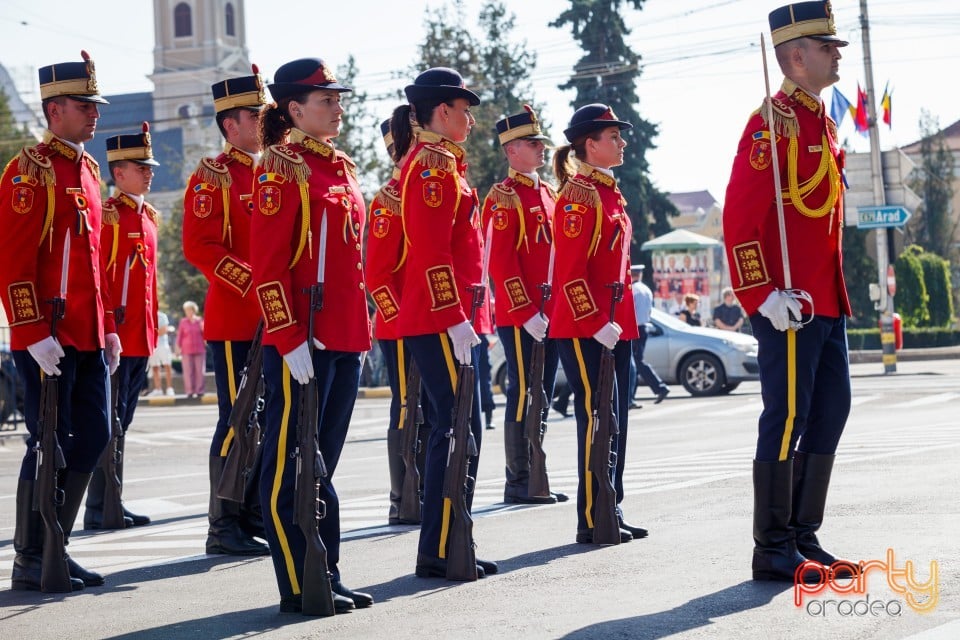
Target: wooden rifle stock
(535, 426)
(244, 420)
(409, 447)
(110, 461)
(457, 483)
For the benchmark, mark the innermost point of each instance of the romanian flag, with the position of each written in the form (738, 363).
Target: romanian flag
(860, 116)
(886, 103)
(839, 107)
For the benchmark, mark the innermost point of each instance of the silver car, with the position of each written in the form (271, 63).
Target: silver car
(705, 361)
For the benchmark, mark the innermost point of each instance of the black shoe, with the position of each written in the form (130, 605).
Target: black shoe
(586, 536)
(235, 544)
(488, 415)
(89, 578)
(428, 567)
(360, 600)
(489, 568)
(26, 574)
(294, 604)
(529, 499)
(560, 497)
(636, 405)
(636, 532)
(96, 525)
(563, 412)
(138, 520)
(660, 396)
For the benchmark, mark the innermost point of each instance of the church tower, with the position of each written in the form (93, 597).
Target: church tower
(197, 43)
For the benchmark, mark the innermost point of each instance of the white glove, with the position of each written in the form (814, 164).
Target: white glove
(536, 326)
(47, 353)
(464, 338)
(780, 309)
(608, 335)
(112, 350)
(300, 363)
(319, 345)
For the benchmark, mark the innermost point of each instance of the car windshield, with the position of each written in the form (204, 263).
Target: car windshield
(666, 319)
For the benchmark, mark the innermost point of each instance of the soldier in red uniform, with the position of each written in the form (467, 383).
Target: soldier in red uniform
(129, 261)
(308, 207)
(441, 219)
(804, 375)
(216, 240)
(50, 192)
(520, 212)
(593, 234)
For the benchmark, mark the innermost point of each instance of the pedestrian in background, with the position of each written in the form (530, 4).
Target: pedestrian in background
(728, 315)
(642, 305)
(690, 313)
(192, 349)
(162, 358)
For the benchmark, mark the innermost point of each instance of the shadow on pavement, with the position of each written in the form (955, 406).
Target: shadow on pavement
(694, 614)
(248, 623)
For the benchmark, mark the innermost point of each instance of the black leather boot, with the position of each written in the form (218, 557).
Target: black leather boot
(360, 600)
(811, 479)
(74, 485)
(224, 536)
(251, 513)
(775, 555)
(517, 471)
(28, 543)
(137, 519)
(93, 509)
(396, 468)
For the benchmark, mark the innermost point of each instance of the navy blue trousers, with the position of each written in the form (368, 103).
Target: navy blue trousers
(228, 359)
(805, 385)
(517, 347)
(581, 363)
(650, 377)
(338, 377)
(84, 420)
(131, 376)
(438, 368)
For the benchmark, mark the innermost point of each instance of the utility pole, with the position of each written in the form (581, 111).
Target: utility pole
(884, 241)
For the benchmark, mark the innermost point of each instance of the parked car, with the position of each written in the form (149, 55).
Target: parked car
(705, 361)
(11, 389)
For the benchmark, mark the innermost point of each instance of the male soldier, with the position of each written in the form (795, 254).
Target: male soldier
(48, 193)
(804, 375)
(216, 240)
(129, 261)
(642, 305)
(520, 210)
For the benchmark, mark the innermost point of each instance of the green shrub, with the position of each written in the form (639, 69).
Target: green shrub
(936, 277)
(911, 298)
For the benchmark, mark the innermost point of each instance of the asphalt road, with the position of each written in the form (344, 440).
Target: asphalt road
(893, 500)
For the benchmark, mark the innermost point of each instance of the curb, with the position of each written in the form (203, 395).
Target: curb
(906, 355)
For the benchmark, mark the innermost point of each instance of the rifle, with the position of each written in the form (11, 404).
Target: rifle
(244, 420)
(535, 427)
(47, 496)
(316, 590)
(457, 482)
(603, 456)
(409, 447)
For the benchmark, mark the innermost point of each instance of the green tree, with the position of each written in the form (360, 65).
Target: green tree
(936, 277)
(859, 270)
(179, 280)
(934, 228)
(912, 298)
(360, 133)
(608, 73)
(12, 136)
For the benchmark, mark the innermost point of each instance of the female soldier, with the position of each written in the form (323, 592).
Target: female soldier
(592, 242)
(308, 220)
(441, 218)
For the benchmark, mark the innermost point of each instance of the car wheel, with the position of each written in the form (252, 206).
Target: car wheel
(500, 379)
(729, 387)
(702, 375)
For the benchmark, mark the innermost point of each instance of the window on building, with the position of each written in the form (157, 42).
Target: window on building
(182, 21)
(228, 14)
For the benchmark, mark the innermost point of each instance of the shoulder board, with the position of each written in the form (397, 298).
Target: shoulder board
(580, 191)
(389, 197)
(213, 172)
(784, 117)
(111, 215)
(341, 155)
(151, 212)
(35, 163)
(550, 189)
(434, 156)
(283, 160)
(504, 196)
(89, 158)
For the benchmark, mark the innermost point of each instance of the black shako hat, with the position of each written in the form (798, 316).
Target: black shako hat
(77, 80)
(386, 134)
(305, 74)
(245, 91)
(592, 117)
(439, 83)
(520, 125)
(804, 20)
(134, 147)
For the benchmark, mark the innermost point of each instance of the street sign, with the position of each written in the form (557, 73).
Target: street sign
(891, 280)
(859, 193)
(875, 217)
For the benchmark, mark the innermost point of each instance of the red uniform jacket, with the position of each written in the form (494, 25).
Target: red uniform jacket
(46, 191)
(216, 240)
(441, 220)
(593, 232)
(130, 232)
(385, 257)
(522, 215)
(810, 166)
(297, 184)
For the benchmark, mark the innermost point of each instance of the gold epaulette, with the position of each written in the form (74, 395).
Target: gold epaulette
(282, 160)
(504, 196)
(213, 172)
(434, 156)
(389, 197)
(581, 191)
(784, 118)
(347, 160)
(550, 189)
(94, 165)
(111, 215)
(33, 162)
(152, 213)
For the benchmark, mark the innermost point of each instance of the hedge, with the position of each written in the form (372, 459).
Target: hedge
(913, 338)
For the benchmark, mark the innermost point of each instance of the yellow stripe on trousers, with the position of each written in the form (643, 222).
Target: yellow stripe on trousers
(402, 376)
(228, 350)
(588, 401)
(452, 370)
(791, 394)
(522, 373)
(278, 483)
